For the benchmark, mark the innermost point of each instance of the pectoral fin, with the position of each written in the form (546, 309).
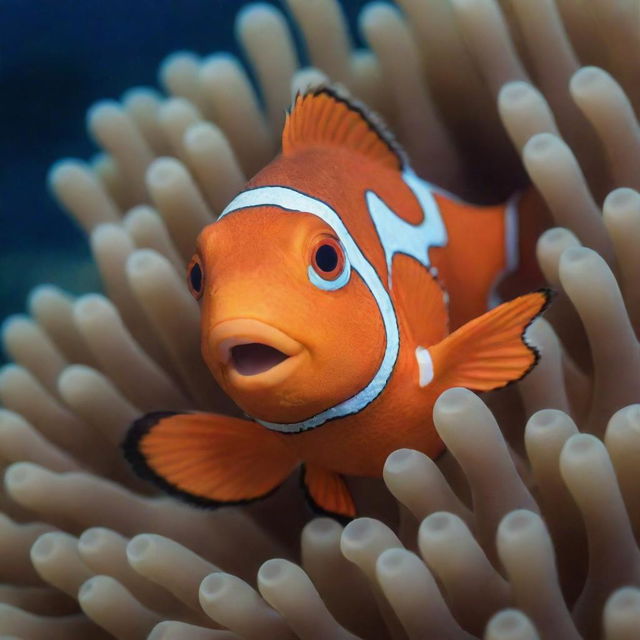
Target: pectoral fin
(328, 492)
(208, 459)
(490, 351)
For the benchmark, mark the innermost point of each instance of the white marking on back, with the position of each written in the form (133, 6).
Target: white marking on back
(295, 201)
(399, 236)
(425, 366)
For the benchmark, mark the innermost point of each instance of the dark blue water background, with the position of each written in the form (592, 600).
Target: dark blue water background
(57, 57)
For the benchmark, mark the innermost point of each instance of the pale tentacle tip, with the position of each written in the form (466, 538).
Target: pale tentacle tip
(320, 529)
(624, 601)
(631, 415)
(393, 562)
(622, 206)
(438, 524)
(91, 539)
(510, 623)
(44, 547)
(164, 172)
(102, 111)
(91, 305)
(63, 170)
(581, 448)
(214, 586)
(88, 588)
(453, 401)
(255, 12)
(516, 93)
(41, 294)
(273, 572)
(545, 419)
(541, 145)
(13, 322)
(142, 261)
(176, 59)
(519, 525)
(575, 255)
(139, 548)
(557, 236)
(20, 474)
(587, 78)
(358, 533)
(401, 460)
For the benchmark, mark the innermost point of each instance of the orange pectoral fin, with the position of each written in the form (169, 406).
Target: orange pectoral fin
(207, 459)
(328, 492)
(490, 351)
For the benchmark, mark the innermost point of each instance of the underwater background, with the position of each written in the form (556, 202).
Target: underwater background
(57, 58)
(527, 528)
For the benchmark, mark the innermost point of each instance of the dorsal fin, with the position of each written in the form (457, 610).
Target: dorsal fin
(323, 117)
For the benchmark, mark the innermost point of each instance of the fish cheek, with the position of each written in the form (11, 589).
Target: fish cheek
(346, 342)
(341, 330)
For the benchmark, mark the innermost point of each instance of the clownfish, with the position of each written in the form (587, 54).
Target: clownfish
(340, 295)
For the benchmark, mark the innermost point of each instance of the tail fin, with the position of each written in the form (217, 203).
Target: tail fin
(208, 459)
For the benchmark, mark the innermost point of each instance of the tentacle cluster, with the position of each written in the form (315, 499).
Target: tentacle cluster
(528, 528)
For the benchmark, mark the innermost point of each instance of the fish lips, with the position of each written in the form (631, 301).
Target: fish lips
(254, 354)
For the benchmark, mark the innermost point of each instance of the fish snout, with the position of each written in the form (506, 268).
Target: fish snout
(252, 353)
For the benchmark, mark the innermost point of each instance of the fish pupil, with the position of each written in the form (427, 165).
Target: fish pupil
(196, 277)
(326, 258)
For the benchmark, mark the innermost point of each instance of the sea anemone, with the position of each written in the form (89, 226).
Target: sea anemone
(521, 531)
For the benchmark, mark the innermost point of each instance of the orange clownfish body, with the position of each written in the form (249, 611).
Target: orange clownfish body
(340, 295)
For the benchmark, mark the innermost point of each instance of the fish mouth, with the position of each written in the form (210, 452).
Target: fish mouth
(254, 358)
(254, 354)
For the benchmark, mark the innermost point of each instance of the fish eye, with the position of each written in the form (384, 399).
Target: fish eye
(328, 268)
(326, 258)
(195, 278)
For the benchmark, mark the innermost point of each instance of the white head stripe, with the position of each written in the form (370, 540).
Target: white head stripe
(292, 200)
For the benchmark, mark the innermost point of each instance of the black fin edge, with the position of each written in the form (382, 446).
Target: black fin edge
(141, 427)
(374, 120)
(548, 294)
(315, 507)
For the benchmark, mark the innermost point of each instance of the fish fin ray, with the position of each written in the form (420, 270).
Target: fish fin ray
(327, 492)
(490, 351)
(420, 300)
(207, 459)
(322, 116)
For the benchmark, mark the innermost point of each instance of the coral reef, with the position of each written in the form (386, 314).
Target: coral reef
(521, 531)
